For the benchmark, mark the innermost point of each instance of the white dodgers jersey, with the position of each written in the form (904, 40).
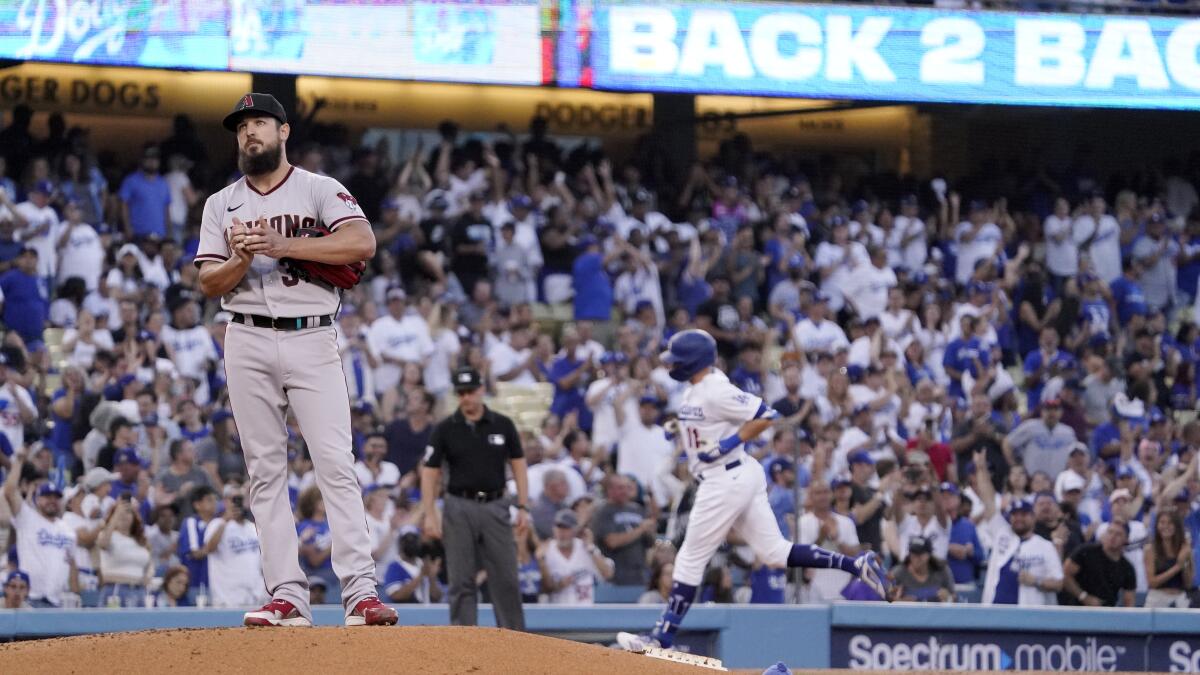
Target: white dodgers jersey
(301, 199)
(712, 409)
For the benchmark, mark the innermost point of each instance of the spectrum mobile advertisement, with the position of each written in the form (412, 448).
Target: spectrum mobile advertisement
(907, 650)
(886, 53)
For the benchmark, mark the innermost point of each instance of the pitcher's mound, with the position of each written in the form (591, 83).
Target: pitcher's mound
(260, 651)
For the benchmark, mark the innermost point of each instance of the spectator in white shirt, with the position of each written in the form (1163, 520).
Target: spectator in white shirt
(189, 344)
(373, 469)
(604, 394)
(867, 293)
(817, 333)
(571, 562)
(513, 361)
(907, 238)
(837, 260)
(643, 450)
(45, 542)
(42, 228)
(126, 563)
(821, 526)
(399, 337)
(80, 249)
(1062, 248)
(924, 520)
(1099, 234)
(978, 239)
(234, 563)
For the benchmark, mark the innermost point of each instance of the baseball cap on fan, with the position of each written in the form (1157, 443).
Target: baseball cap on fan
(254, 103)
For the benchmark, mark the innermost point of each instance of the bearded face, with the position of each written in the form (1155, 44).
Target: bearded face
(259, 157)
(260, 145)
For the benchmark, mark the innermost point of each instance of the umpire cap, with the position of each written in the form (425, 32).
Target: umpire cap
(467, 379)
(264, 104)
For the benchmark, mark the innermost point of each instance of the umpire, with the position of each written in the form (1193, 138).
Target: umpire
(474, 444)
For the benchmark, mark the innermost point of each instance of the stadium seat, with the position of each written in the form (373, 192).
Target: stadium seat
(53, 336)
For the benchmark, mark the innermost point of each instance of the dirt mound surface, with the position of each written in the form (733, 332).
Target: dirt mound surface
(409, 650)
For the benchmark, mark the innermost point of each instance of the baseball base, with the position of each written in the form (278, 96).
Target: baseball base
(681, 657)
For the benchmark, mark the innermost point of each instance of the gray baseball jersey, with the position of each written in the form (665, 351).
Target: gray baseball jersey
(270, 371)
(302, 199)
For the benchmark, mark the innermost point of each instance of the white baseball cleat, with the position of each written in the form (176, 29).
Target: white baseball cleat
(872, 574)
(632, 642)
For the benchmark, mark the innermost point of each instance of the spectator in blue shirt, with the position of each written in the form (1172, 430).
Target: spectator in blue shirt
(25, 306)
(748, 376)
(964, 354)
(569, 373)
(1128, 295)
(316, 541)
(1044, 363)
(593, 288)
(966, 552)
(191, 550)
(782, 494)
(146, 199)
(767, 585)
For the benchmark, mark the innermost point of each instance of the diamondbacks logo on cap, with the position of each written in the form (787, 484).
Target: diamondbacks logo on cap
(350, 202)
(247, 101)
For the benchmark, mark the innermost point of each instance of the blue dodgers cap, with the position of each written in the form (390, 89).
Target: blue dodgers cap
(949, 487)
(520, 202)
(43, 186)
(859, 206)
(48, 488)
(1024, 505)
(17, 575)
(1125, 472)
(859, 458)
(613, 357)
(796, 262)
(126, 456)
(650, 400)
(782, 464)
(979, 287)
(221, 415)
(838, 483)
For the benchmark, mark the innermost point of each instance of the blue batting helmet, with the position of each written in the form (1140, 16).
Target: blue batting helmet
(688, 353)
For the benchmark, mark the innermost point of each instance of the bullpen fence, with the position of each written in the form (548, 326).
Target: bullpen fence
(859, 636)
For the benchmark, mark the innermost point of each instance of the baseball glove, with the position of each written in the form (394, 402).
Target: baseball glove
(341, 276)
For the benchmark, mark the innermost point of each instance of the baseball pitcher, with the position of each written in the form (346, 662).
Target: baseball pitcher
(715, 420)
(277, 246)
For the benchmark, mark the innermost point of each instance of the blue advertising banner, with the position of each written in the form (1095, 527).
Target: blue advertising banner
(892, 54)
(1174, 654)
(886, 649)
(188, 34)
(482, 41)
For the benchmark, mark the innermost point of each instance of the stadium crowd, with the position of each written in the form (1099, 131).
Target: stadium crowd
(991, 382)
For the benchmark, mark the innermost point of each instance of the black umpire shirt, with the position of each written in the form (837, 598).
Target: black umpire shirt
(475, 452)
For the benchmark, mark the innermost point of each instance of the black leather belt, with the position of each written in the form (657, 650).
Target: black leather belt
(478, 495)
(728, 467)
(283, 323)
